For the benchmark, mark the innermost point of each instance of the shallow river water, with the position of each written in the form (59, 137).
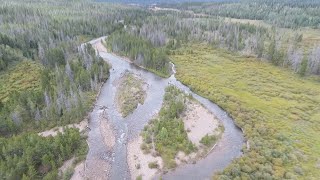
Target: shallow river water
(125, 129)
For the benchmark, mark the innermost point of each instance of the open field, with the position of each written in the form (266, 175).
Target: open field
(248, 21)
(278, 110)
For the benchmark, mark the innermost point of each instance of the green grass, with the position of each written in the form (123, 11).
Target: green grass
(22, 77)
(278, 110)
(159, 73)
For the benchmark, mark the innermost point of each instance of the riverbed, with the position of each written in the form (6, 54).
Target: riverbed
(129, 127)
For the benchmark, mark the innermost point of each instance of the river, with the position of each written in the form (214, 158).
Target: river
(125, 129)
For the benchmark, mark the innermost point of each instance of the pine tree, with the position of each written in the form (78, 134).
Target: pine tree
(304, 66)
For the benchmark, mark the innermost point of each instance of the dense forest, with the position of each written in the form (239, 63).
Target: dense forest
(48, 79)
(30, 156)
(290, 14)
(141, 51)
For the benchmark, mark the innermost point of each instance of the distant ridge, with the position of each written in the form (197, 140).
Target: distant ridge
(149, 2)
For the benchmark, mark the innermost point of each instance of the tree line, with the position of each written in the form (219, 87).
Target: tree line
(282, 13)
(141, 51)
(171, 29)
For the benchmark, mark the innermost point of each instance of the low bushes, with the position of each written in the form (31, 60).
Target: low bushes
(167, 130)
(208, 140)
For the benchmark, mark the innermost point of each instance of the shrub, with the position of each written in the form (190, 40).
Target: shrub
(153, 165)
(168, 130)
(68, 174)
(139, 177)
(208, 140)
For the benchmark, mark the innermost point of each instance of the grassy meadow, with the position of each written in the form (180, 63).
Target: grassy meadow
(278, 110)
(21, 77)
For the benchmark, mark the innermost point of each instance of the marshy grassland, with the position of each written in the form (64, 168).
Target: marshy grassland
(279, 111)
(131, 92)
